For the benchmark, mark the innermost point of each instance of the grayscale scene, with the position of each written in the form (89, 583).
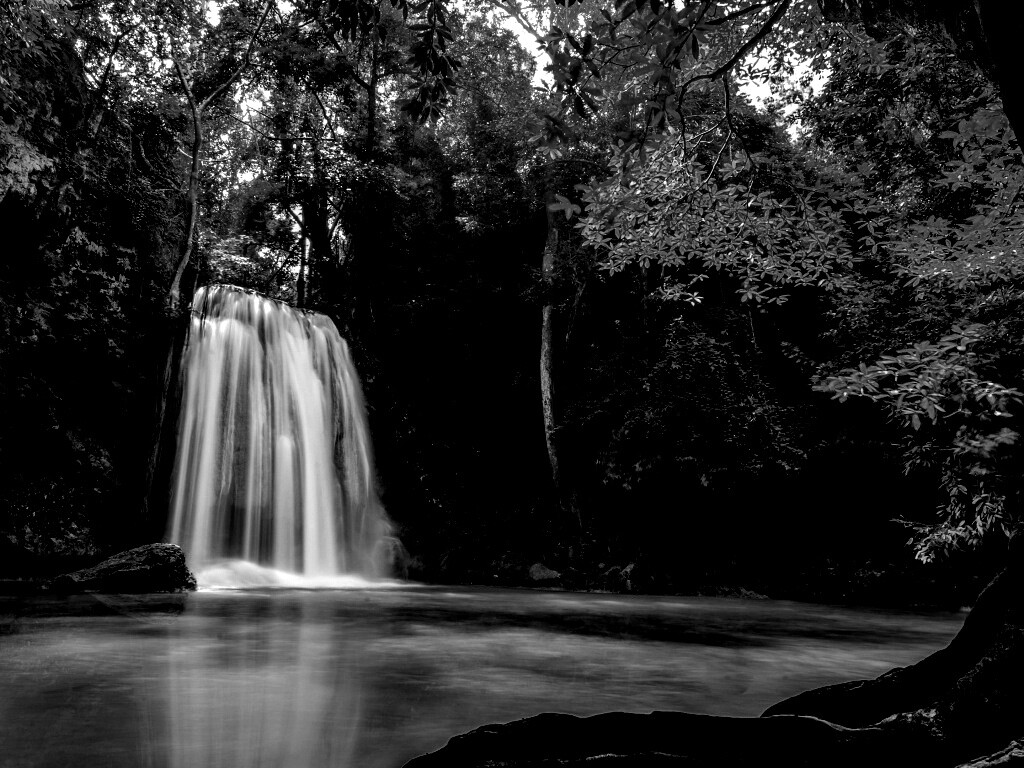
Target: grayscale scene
(511, 383)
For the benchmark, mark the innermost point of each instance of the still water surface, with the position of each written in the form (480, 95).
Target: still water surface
(368, 678)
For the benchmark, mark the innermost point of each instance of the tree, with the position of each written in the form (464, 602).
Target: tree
(197, 104)
(89, 197)
(446, 270)
(887, 173)
(688, 190)
(926, 135)
(983, 32)
(963, 702)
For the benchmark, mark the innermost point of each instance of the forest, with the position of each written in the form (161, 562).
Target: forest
(685, 298)
(716, 304)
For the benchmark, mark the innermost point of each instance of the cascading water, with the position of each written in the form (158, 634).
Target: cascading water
(274, 462)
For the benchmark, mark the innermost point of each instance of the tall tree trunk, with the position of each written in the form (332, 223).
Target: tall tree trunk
(174, 297)
(319, 252)
(566, 498)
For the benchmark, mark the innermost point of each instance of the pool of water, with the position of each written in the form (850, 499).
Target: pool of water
(365, 678)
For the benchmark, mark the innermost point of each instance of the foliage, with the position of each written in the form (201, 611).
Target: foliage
(647, 59)
(909, 172)
(958, 419)
(85, 203)
(677, 211)
(947, 171)
(390, 163)
(432, 67)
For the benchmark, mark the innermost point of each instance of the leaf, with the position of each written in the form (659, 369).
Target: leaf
(565, 205)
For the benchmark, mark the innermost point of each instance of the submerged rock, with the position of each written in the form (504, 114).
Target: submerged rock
(149, 568)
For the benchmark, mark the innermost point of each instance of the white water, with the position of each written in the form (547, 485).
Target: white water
(242, 574)
(274, 462)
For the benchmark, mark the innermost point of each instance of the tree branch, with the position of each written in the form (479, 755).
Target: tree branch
(302, 226)
(351, 69)
(738, 14)
(518, 16)
(327, 118)
(245, 59)
(729, 120)
(179, 69)
(744, 49)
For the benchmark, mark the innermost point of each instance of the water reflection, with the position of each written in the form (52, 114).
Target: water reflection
(371, 678)
(270, 684)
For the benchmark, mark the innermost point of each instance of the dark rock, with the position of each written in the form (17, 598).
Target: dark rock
(149, 568)
(622, 579)
(612, 580)
(628, 575)
(680, 739)
(1011, 757)
(974, 682)
(540, 572)
(574, 579)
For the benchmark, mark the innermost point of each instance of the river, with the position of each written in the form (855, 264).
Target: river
(367, 678)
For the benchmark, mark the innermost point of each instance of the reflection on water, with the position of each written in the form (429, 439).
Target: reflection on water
(269, 688)
(370, 678)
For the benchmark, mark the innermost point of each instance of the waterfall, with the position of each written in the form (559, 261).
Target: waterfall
(274, 463)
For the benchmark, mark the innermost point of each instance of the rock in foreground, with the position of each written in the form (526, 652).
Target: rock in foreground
(679, 739)
(149, 568)
(962, 706)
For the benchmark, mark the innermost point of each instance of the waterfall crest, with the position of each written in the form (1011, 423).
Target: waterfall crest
(274, 462)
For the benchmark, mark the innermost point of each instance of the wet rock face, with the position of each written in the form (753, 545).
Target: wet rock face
(149, 568)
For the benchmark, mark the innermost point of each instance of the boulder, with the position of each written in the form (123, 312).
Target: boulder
(149, 568)
(540, 572)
